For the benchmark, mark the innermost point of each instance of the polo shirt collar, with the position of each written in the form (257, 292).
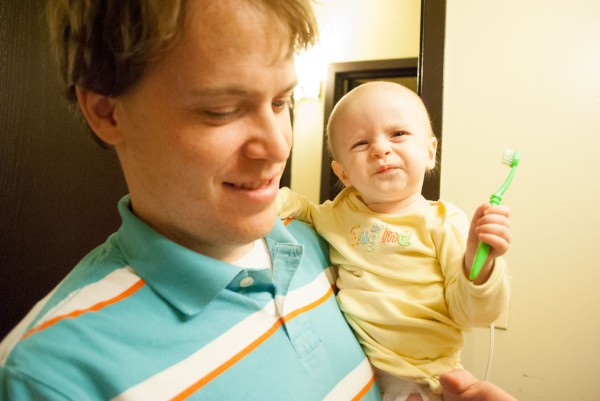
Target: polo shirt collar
(186, 279)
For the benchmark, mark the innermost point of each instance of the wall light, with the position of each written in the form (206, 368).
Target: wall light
(310, 69)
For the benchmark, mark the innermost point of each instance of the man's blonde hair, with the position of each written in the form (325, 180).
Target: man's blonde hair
(106, 45)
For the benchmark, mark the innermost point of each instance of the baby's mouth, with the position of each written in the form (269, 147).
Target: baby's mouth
(384, 169)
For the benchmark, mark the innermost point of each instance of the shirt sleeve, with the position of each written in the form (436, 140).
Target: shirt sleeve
(18, 386)
(469, 305)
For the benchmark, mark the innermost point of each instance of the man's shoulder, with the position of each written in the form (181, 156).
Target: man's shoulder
(62, 327)
(306, 235)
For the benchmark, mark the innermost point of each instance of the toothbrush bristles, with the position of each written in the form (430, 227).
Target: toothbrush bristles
(510, 157)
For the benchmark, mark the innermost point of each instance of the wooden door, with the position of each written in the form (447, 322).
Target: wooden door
(58, 188)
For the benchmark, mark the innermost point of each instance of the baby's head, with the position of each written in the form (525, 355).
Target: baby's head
(381, 141)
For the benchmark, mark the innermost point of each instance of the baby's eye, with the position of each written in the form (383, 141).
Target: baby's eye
(396, 134)
(359, 145)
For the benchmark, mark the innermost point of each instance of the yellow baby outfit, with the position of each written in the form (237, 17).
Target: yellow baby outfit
(401, 282)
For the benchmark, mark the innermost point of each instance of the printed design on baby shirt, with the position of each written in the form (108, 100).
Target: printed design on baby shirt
(372, 236)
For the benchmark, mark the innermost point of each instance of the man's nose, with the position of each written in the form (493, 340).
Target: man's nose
(270, 136)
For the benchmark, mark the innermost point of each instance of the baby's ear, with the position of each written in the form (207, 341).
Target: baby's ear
(431, 152)
(338, 169)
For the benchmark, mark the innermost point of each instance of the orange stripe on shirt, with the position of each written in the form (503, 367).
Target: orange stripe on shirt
(237, 357)
(247, 350)
(364, 390)
(308, 307)
(94, 308)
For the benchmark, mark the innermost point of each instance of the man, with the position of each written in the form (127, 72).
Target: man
(202, 294)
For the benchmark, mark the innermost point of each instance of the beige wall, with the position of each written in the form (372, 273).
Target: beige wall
(521, 74)
(526, 74)
(351, 30)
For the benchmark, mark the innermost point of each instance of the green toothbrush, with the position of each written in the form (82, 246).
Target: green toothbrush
(511, 158)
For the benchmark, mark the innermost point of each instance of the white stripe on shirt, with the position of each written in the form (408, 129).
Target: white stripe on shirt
(357, 382)
(193, 372)
(89, 297)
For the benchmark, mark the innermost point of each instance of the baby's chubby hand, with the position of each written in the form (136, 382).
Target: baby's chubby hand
(491, 224)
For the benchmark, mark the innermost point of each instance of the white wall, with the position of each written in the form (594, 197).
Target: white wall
(351, 30)
(526, 74)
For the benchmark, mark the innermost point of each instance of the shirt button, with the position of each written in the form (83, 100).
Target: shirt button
(246, 282)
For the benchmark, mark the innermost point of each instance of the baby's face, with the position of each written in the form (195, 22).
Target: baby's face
(383, 143)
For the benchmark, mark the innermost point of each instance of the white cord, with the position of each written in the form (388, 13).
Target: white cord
(490, 354)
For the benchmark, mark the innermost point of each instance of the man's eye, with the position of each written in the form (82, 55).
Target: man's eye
(220, 115)
(283, 104)
(217, 116)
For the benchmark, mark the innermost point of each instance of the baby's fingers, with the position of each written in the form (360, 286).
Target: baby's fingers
(496, 233)
(498, 210)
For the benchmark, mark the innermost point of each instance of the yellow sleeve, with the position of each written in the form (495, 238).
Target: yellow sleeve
(290, 205)
(469, 305)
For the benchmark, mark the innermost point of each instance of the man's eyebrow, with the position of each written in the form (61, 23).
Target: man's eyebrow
(291, 87)
(221, 91)
(234, 90)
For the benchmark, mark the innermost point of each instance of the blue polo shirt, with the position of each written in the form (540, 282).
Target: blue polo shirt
(142, 318)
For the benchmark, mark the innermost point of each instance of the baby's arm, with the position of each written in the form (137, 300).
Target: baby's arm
(490, 224)
(290, 205)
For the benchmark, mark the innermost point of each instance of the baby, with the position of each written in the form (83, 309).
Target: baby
(404, 261)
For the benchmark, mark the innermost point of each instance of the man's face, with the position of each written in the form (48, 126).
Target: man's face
(206, 132)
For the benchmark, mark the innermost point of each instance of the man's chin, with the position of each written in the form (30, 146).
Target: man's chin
(257, 226)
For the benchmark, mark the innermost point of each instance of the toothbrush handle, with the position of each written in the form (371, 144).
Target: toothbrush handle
(483, 250)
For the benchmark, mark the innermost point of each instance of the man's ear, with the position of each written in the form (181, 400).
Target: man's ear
(98, 110)
(432, 152)
(338, 169)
